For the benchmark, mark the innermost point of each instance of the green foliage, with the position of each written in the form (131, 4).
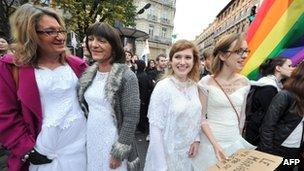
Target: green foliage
(85, 12)
(78, 14)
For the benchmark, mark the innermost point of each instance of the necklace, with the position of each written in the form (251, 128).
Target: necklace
(182, 87)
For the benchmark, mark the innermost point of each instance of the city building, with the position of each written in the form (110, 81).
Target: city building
(234, 17)
(157, 21)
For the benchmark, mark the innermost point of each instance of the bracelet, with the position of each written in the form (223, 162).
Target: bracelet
(27, 155)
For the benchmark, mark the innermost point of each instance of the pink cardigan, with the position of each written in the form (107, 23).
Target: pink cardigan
(20, 113)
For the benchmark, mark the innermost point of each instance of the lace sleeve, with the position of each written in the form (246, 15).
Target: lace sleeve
(203, 95)
(158, 106)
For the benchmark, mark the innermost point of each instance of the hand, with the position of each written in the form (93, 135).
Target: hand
(219, 152)
(37, 159)
(114, 163)
(193, 149)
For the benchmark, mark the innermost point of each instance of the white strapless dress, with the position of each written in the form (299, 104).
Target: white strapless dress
(223, 123)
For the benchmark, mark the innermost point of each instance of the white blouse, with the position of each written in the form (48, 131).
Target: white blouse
(62, 136)
(174, 116)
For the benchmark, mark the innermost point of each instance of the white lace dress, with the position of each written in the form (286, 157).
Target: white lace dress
(174, 115)
(223, 123)
(62, 136)
(102, 133)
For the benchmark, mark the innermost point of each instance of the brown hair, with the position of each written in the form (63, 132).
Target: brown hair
(183, 45)
(295, 84)
(24, 23)
(104, 30)
(222, 46)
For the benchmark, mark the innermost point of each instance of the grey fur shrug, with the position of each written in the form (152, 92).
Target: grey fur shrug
(122, 91)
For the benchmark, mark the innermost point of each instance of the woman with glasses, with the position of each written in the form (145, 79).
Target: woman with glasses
(224, 95)
(41, 121)
(282, 130)
(273, 71)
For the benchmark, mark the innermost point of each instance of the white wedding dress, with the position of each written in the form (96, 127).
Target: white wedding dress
(102, 132)
(223, 124)
(174, 117)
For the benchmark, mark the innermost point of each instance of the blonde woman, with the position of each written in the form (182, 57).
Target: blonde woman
(225, 91)
(42, 125)
(175, 112)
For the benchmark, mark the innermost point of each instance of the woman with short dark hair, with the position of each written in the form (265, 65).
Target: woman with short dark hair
(109, 96)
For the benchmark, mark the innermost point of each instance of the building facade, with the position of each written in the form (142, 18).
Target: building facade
(233, 18)
(157, 21)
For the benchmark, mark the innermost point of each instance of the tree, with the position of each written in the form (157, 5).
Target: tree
(79, 14)
(7, 7)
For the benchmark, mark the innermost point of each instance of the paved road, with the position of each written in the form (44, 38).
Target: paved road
(141, 144)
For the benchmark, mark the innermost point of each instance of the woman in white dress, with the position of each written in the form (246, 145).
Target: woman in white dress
(226, 92)
(109, 95)
(41, 122)
(175, 113)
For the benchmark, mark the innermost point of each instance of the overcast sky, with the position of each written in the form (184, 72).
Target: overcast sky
(192, 16)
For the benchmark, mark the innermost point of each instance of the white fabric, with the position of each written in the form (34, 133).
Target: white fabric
(223, 123)
(266, 81)
(62, 137)
(174, 115)
(294, 139)
(101, 130)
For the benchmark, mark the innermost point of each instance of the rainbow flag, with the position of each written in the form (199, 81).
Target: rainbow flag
(278, 26)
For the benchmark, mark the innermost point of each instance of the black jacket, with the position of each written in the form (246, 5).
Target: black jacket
(256, 110)
(279, 122)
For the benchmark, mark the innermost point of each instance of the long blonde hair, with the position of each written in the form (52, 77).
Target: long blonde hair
(222, 46)
(24, 23)
(180, 46)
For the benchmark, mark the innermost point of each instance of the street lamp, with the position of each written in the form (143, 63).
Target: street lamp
(142, 10)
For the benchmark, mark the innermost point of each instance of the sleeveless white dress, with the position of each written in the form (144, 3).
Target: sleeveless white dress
(102, 132)
(223, 123)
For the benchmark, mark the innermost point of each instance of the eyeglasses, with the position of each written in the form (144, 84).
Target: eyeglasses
(239, 51)
(52, 33)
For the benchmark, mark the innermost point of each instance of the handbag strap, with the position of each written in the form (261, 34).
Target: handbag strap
(237, 114)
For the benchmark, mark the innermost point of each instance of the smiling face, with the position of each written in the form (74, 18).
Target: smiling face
(48, 43)
(235, 59)
(100, 49)
(182, 63)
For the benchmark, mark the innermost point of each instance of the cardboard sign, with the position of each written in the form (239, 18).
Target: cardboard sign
(248, 160)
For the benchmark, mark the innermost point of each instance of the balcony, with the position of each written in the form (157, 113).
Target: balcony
(158, 39)
(165, 20)
(152, 17)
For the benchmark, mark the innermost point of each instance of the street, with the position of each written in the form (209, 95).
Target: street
(142, 145)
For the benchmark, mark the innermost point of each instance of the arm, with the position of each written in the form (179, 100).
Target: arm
(158, 109)
(130, 105)
(206, 129)
(14, 132)
(156, 147)
(276, 109)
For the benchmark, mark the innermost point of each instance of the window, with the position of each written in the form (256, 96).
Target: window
(164, 32)
(151, 30)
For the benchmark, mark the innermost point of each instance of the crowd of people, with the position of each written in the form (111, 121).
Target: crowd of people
(59, 112)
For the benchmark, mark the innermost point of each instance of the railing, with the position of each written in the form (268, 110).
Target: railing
(160, 39)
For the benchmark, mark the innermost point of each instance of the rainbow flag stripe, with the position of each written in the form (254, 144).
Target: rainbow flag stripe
(278, 25)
